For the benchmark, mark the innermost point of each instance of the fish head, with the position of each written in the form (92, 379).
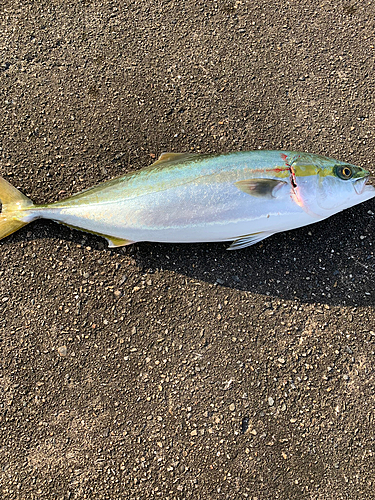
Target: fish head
(323, 186)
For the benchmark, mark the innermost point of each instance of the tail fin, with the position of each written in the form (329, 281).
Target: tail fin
(13, 203)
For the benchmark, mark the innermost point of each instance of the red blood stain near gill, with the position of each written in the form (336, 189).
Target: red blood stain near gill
(295, 195)
(284, 158)
(293, 179)
(291, 170)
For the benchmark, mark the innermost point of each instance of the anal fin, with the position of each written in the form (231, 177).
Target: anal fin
(114, 242)
(248, 240)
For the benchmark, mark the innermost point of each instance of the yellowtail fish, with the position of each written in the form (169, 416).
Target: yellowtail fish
(242, 197)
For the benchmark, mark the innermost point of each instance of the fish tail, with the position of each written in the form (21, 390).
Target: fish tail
(13, 204)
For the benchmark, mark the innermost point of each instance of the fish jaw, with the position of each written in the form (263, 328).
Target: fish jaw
(359, 193)
(364, 192)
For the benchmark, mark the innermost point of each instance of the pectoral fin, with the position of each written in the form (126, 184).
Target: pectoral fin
(261, 188)
(250, 239)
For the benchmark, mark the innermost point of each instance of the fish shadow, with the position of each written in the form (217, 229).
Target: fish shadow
(331, 262)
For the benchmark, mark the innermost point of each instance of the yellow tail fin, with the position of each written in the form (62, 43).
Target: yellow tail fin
(13, 203)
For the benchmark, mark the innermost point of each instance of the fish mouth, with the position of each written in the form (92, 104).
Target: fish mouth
(361, 185)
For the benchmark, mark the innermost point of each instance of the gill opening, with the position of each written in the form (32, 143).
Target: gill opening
(293, 178)
(295, 195)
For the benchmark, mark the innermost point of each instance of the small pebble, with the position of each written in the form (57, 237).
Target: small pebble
(122, 280)
(244, 425)
(271, 401)
(281, 360)
(232, 407)
(62, 350)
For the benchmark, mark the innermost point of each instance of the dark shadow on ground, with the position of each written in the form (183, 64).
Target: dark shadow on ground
(331, 262)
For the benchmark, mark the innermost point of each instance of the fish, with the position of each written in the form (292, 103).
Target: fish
(240, 197)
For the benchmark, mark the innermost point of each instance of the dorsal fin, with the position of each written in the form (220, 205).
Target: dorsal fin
(169, 157)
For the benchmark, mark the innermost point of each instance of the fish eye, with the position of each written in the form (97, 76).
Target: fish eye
(345, 172)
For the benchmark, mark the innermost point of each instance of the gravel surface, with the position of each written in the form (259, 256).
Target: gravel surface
(184, 371)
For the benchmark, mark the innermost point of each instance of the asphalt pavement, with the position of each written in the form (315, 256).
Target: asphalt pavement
(184, 371)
